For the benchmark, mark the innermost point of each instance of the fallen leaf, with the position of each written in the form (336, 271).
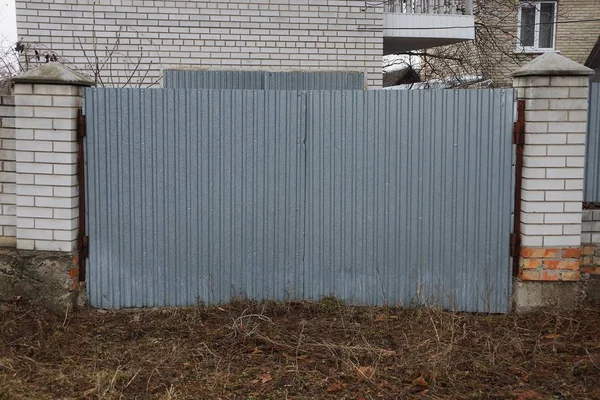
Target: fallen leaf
(380, 318)
(221, 309)
(336, 387)
(420, 381)
(365, 373)
(264, 378)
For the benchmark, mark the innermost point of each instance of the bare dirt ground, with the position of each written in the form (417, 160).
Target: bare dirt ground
(323, 350)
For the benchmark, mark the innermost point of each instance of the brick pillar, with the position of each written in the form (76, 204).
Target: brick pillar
(47, 100)
(555, 89)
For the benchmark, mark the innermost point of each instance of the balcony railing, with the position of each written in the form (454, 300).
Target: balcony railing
(452, 7)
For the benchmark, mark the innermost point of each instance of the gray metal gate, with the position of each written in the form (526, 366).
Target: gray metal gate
(372, 196)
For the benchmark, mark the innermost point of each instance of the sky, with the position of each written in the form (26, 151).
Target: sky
(8, 23)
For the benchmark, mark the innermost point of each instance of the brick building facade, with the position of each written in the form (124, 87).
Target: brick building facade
(576, 40)
(495, 53)
(132, 41)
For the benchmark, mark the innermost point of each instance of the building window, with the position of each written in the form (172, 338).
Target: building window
(537, 26)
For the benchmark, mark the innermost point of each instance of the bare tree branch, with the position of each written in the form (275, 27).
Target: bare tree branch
(491, 55)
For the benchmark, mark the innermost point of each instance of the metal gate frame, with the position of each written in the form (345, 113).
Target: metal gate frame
(591, 193)
(519, 142)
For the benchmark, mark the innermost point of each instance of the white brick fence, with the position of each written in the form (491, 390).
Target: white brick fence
(45, 129)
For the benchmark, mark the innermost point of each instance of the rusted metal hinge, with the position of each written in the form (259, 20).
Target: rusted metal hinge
(515, 244)
(519, 128)
(80, 124)
(84, 243)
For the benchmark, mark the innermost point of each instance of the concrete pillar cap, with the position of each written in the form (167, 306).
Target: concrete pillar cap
(55, 74)
(552, 64)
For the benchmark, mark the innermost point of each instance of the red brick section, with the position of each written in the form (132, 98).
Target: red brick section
(589, 263)
(549, 264)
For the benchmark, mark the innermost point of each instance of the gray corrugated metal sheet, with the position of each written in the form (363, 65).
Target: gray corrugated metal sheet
(592, 160)
(408, 197)
(267, 80)
(193, 196)
(188, 79)
(314, 81)
(369, 196)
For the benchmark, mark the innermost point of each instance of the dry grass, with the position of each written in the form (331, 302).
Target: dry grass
(298, 351)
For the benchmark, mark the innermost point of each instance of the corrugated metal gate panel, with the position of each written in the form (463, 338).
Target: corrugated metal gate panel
(592, 161)
(409, 197)
(370, 196)
(267, 80)
(193, 195)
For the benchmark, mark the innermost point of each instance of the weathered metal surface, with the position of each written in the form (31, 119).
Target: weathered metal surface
(368, 196)
(263, 80)
(592, 160)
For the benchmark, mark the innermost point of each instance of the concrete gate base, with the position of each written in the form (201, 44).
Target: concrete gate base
(540, 296)
(51, 280)
(46, 278)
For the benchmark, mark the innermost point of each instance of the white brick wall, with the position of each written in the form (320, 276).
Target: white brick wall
(8, 212)
(46, 150)
(226, 34)
(554, 157)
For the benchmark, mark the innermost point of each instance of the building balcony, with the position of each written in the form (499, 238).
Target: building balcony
(421, 24)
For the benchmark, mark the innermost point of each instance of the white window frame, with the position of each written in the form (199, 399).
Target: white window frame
(536, 36)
